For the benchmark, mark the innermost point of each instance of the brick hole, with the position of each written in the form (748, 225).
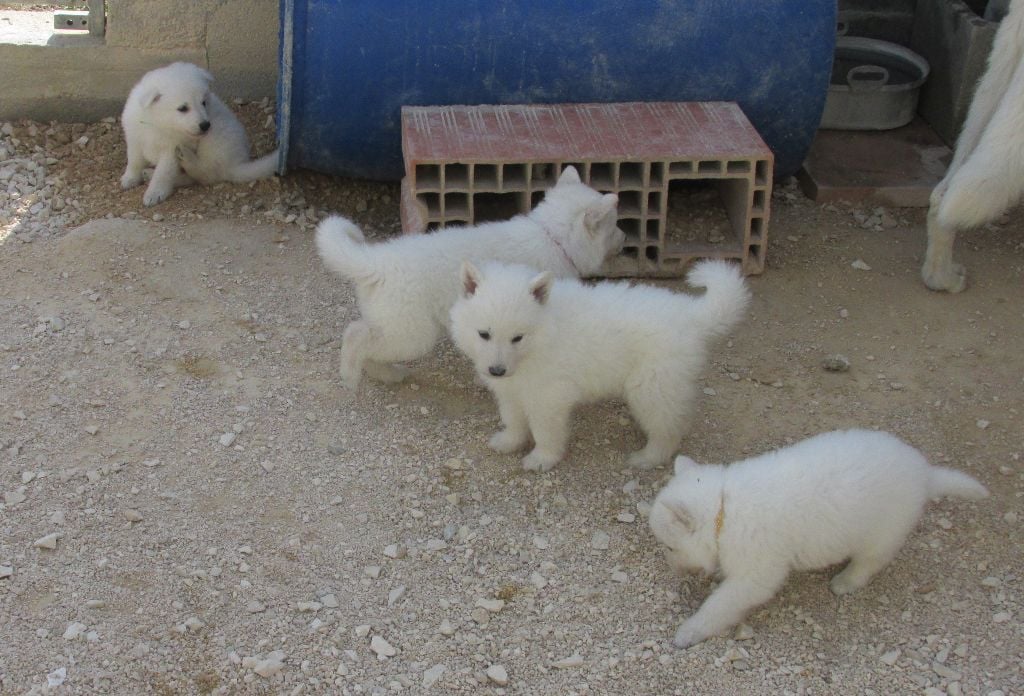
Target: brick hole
(432, 202)
(651, 253)
(654, 203)
(485, 177)
(657, 174)
(542, 175)
(602, 176)
(759, 199)
(428, 176)
(709, 167)
(761, 173)
(456, 207)
(456, 176)
(631, 228)
(513, 177)
(535, 198)
(488, 207)
(652, 230)
(696, 218)
(629, 204)
(631, 175)
(757, 229)
(738, 167)
(680, 169)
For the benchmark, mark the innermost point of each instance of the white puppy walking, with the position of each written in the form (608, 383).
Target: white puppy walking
(986, 176)
(543, 346)
(173, 122)
(853, 494)
(406, 286)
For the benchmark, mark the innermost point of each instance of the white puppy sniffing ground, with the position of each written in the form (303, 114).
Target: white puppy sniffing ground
(406, 286)
(174, 123)
(844, 495)
(543, 346)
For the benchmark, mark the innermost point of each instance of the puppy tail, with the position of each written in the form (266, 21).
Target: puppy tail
(953, 483)
(254, 170)
(726, 298)
(342, 246)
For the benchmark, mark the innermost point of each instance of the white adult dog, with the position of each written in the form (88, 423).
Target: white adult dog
(173, 122)
(853, 494)
(986, 176)
(406, 286)
(544, 345)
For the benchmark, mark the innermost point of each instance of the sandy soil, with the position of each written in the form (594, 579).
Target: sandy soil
(229, 520)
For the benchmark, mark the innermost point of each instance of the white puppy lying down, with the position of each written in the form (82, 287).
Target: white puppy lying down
(407, 285)
(172, 121)
(853, 494)
(544, 345)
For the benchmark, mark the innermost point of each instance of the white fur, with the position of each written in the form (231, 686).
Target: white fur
(158, 133)
(543, 346)
(853, 494)
(406, 286)
(986, 176)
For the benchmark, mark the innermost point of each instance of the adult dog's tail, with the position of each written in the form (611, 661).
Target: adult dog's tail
(726, 299)
(342, 246)
(953, 483)
(254, 170)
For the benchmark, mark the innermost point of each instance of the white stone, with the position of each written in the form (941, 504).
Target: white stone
(329, 601)
(743, 632)
(574, 660)
(132, 515)
(227, 439)
(497, 674)
(271, 665)
(395, 595)
(446, 628)
(599, 541)
(626, 517)
(14, 497)
(6, 572)
(538, 580)
(308, 606)
(47, 542)
(74, 630)
(56, 677)
(891, 657)
(491, 605)
(395, 551)
(431, 676)
(383, 648)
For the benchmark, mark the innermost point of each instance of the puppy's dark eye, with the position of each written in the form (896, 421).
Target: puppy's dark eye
(486, 335)
(183, 108)
(517, 338)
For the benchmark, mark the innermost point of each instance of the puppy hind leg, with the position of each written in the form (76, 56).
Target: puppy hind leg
(939, 271)
(864, 565)
(355, 346)
(388, 373)
(726, 607)
(662, 411)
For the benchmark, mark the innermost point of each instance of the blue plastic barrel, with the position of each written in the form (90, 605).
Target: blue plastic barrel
(347, 66)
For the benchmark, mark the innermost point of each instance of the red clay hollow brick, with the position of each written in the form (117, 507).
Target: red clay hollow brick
(468, 164)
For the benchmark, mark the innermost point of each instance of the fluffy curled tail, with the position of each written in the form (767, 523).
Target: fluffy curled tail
(953, 483)
(726, 298)
(342, 246)
(253, 170)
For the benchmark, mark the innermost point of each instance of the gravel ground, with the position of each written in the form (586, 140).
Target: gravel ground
(192, 504)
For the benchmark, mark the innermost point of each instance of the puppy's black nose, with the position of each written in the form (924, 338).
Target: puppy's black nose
(204, 126)
(496, 370)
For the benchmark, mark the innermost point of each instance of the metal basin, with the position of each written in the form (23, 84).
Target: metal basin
(874, 85)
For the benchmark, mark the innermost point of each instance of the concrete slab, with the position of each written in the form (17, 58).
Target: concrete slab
(897, 168)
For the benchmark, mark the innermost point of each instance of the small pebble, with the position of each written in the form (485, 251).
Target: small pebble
(497, 674)
(431, 676)
(599, 541)
(47, 542)
(836, 363)
(383, 648)
(574, 660)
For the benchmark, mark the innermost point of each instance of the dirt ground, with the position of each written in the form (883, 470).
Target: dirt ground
(229, 520)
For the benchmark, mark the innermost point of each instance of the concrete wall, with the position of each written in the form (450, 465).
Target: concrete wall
(77, 78)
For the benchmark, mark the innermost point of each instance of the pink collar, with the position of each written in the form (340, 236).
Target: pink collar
(565, 254)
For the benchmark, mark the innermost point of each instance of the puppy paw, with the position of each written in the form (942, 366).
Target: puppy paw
(843, 584)
(154, 196)
(186, 156)
(645, 459)
(539, 461)
(129, 180)
(689, 633)
(951, 278)
(386, 372)
(507, 442)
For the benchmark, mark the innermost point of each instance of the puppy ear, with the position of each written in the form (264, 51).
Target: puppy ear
(150, 97)
(569, 176)
(597, 212)
(470, 279)
(680, 515)
(683, 464)
(540, 287)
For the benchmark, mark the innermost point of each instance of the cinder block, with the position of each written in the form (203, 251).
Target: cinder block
(468, 164)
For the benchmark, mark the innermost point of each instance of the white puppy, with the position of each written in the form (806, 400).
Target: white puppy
(543, 346)
(173, 122)
(986, 175)
(406, 286)
(853, 494)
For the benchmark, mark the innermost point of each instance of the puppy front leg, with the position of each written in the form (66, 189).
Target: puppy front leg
(725, 608)
(161, 185)
(549, 424)
(133, 173)
(516, 433)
